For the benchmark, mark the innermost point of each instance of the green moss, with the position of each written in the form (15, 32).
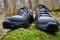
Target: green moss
(26, 34)
(21, 34)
